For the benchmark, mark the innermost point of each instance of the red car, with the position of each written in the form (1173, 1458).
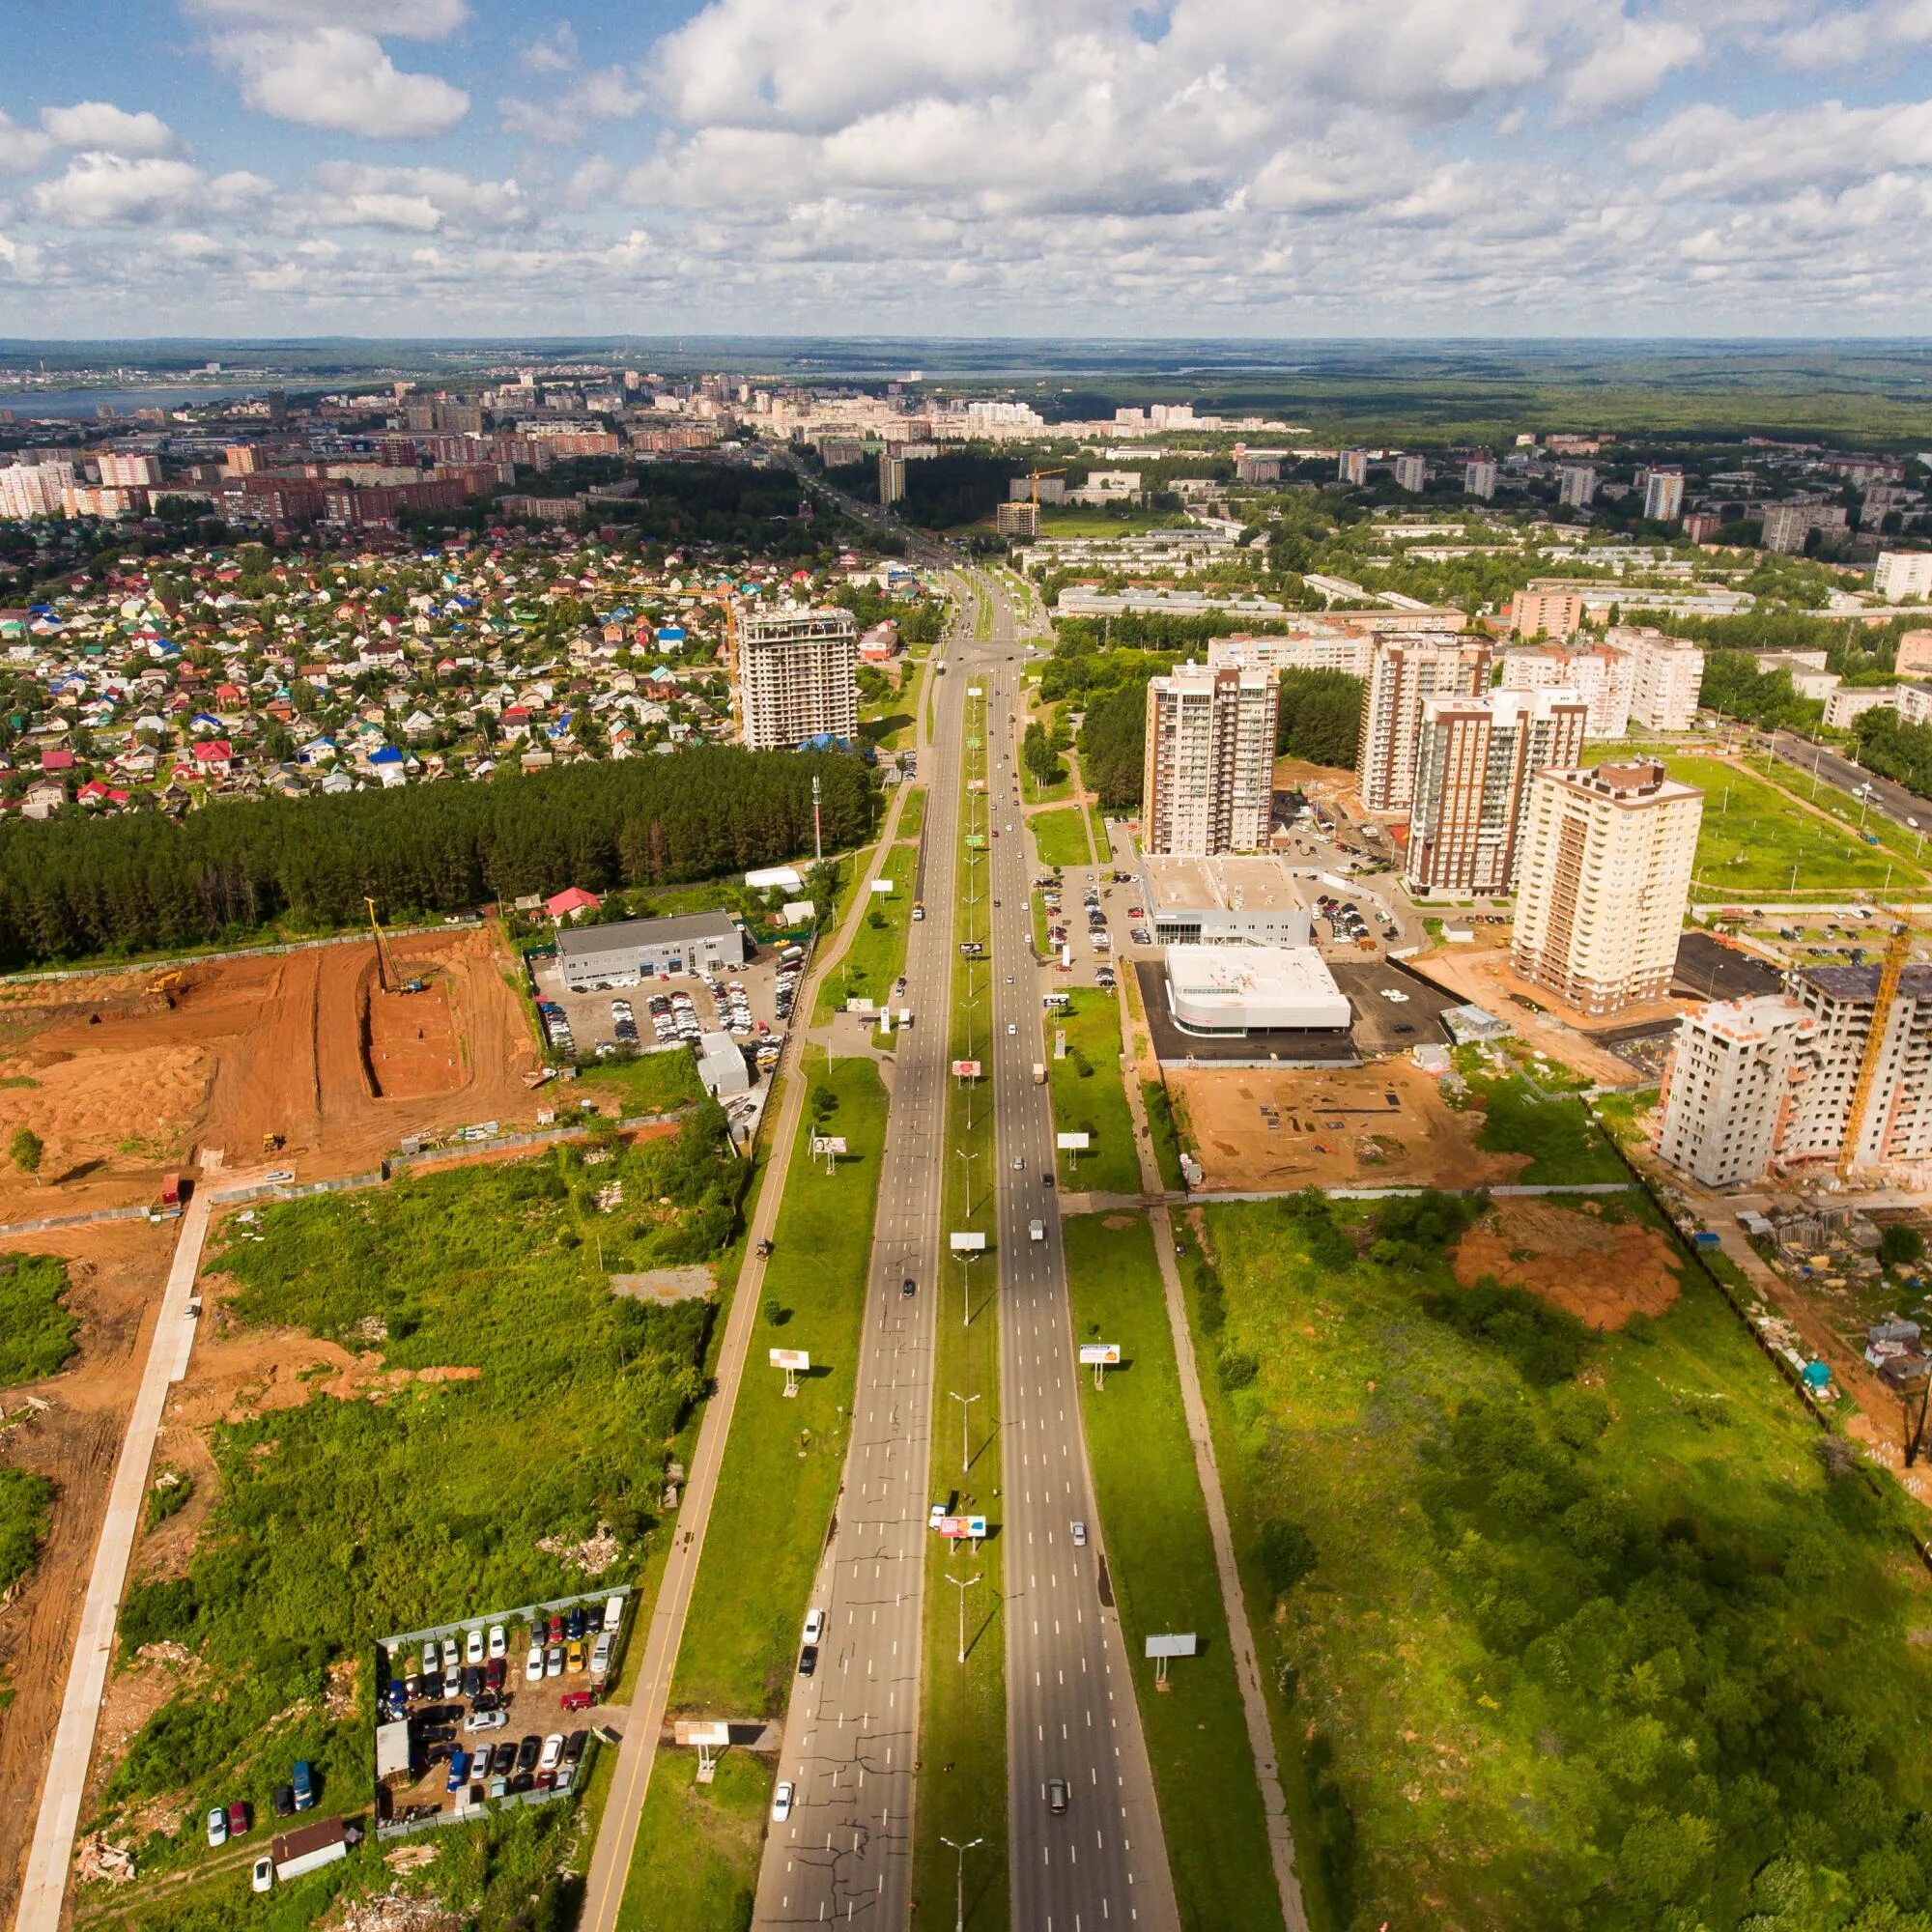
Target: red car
(575, 1700)
(557, 1630)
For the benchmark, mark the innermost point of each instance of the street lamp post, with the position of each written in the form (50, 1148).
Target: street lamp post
(962, 1585)
(959, 1888)
(965, 1403)
(966, 1261)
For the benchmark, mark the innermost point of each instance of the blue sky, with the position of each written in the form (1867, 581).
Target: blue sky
(1225, 167)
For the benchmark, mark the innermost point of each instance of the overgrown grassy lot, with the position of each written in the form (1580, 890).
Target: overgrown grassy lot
(36, 1330)
(699, 1845)
(769, 1514)
(1561, 1630)
(1088, 1096)
(1060, 836)
(876, 957)
(25, 1499)
(1161, 1558)
(520, 1401)
(1562, 1141)
(653, 1083)
(1752, 835)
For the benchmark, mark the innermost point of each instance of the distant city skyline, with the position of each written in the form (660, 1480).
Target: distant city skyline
(1210, 167)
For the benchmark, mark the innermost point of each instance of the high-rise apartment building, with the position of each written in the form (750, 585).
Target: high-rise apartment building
(1207, 783)
(1479, 478)
(1016, 520)
(34, 488)
(1756, 1083)
(1601, 677)
(1546, 610)
(1602, 881)
(1576, 485)
(1405, 672)
(1663, 496)
(1411, 472)
(1903, 573)
(1666, 677)
(891, 478)
(1353, 467)
(1475, 761)
(119, 471)
(797, 677)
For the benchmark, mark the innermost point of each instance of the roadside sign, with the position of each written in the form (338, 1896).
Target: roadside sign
(975, 841)
(796, 1360)
(883, 887)
(962, 1526)
(966, 1243)
(828, 1144)
(1180, 1645)
(966, 1069)
(1100, 1355)
(975, 784)
(689, 1731)
(1072, 1143)
(975, 691)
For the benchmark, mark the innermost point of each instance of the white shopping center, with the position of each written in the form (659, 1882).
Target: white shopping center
(1242, 989)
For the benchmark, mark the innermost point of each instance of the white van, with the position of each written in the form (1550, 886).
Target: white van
(1036, 1230)
(600, 1655)
(614, 1613)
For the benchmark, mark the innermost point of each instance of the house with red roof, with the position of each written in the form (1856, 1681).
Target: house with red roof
(570, 902)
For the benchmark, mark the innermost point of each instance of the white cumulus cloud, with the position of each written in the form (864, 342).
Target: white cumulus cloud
(21, 148)
(409, 19)
(340, 77)
(101, 125)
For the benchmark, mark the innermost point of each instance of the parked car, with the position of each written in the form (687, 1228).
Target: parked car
(459, 1770)
(500, 1643)
(573, 1658)
(573, 1625)
(527, 1753)
(552, 1752)
(574, 1745)
(218, 1828)
(576, 1700)
(239, 1818)
(303, 1781)
(486, 1720)
(554, 1661)
(472, 1645)
(534, 1664)
(283, 1800)
(262, 1874)
(815, 1625)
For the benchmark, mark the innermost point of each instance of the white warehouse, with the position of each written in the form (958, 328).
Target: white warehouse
(592, 957)
(1241, 989)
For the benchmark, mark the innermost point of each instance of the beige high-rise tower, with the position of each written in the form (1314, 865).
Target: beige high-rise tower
(1207, 782)
(797, 677)
(1405, 672)
(1602, 882)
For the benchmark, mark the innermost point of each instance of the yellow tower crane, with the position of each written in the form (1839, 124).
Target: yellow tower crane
(385, 972)
(1892, 969)
(1034, 477)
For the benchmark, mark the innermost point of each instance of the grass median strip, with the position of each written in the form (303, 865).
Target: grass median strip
(1088, 1096)
(962, 1785)
(699, 1845)
(1161, 1558)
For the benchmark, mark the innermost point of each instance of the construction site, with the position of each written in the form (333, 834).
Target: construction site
(324, 1058)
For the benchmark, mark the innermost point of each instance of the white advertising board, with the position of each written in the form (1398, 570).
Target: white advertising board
(1100, 1355)
(1071, 1142)
(1180, 1644)
(962, 1525)
(967, 1243)
(794, 1359)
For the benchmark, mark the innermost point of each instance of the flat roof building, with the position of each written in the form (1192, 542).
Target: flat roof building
(1240, 989)
(591, 957)
(1223, 901)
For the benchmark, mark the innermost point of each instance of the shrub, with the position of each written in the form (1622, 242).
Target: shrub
(1546, 1344)
(1285, 1553)
(1237, 1367)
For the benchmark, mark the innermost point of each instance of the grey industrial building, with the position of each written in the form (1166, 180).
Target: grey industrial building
(1223, 901)
(591, 957)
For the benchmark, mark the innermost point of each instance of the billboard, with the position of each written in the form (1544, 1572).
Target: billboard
(794, 1359)
(1071, 1142)
(967, 1243)
(966, 1069)
(1100, 1355)
(689, 1731)
(828, 1144)
(1179, 1645)
(962, 1525)
(882, 886)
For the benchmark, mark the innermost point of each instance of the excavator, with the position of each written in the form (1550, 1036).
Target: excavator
(387, 978)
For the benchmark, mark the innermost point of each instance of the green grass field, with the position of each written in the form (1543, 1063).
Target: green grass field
(696, 1863)
(1060, 836)
(1093, 1101)
(1564, 1145)
(25, 1499)
(912, 813)
(773, 1502)
(653, 1083)
(1162, 1561)
(872, 963)
(1161, 1130)
(963, 1707)
(1557, 1629)
(36, 1330)
(1754, 840)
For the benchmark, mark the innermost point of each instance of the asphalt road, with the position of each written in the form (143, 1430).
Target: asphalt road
(1070, 1710)
(851, 1733)
(1891, 800)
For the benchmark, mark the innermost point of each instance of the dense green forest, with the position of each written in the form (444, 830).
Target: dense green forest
(1321, 716)
(941, 492)
(73, 887)
(1113, 746)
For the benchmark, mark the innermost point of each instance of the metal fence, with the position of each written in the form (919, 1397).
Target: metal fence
(469, 924)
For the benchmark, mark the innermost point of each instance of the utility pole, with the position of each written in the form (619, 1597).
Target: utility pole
(817, 825)
(966, 1260)
(962, 1585)
(965, 1403)
(959, 1889)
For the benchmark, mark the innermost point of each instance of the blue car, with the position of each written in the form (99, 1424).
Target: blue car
(303, 1781)
(458, 1769)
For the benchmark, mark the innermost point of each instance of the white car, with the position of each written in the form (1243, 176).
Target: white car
(534, 1664)
(499, 1642)
(263, 1876)
(552, 1752)
(218, 1827)
(1013, 1028)
(486, 1720)
(554, 1661)
(781, 1802)
(1079, 1534)
(815, 1625)
(453, 1660)
(472, 1646)
(279, 1177)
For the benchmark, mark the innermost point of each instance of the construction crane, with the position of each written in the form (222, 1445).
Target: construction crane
(385, 972)
(1892, 969)
(1034, 477)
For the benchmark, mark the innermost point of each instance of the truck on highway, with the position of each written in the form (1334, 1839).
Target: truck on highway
(1040, 1073)
(309, 1847)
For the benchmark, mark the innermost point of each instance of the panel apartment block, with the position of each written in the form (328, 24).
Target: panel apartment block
(1403, 674)
(1208, 776)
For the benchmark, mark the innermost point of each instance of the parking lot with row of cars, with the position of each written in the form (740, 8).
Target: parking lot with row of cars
(495, 1709)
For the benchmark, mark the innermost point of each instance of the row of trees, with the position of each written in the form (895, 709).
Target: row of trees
(73, 887)
(1896, 750)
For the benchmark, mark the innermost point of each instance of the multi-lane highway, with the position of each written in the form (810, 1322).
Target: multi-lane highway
(1072, 1719)
(1832, 768)
(851, 1734)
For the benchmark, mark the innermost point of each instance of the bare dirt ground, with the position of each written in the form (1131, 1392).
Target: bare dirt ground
(1482, 973)
(1600, 1271)
(1385, 1125)
(116, 1274)
(121, 1085)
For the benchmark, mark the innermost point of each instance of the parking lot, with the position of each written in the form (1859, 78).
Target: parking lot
(500, 1710)
(753, 1005)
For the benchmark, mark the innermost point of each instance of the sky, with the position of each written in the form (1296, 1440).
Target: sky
(1268, 168)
